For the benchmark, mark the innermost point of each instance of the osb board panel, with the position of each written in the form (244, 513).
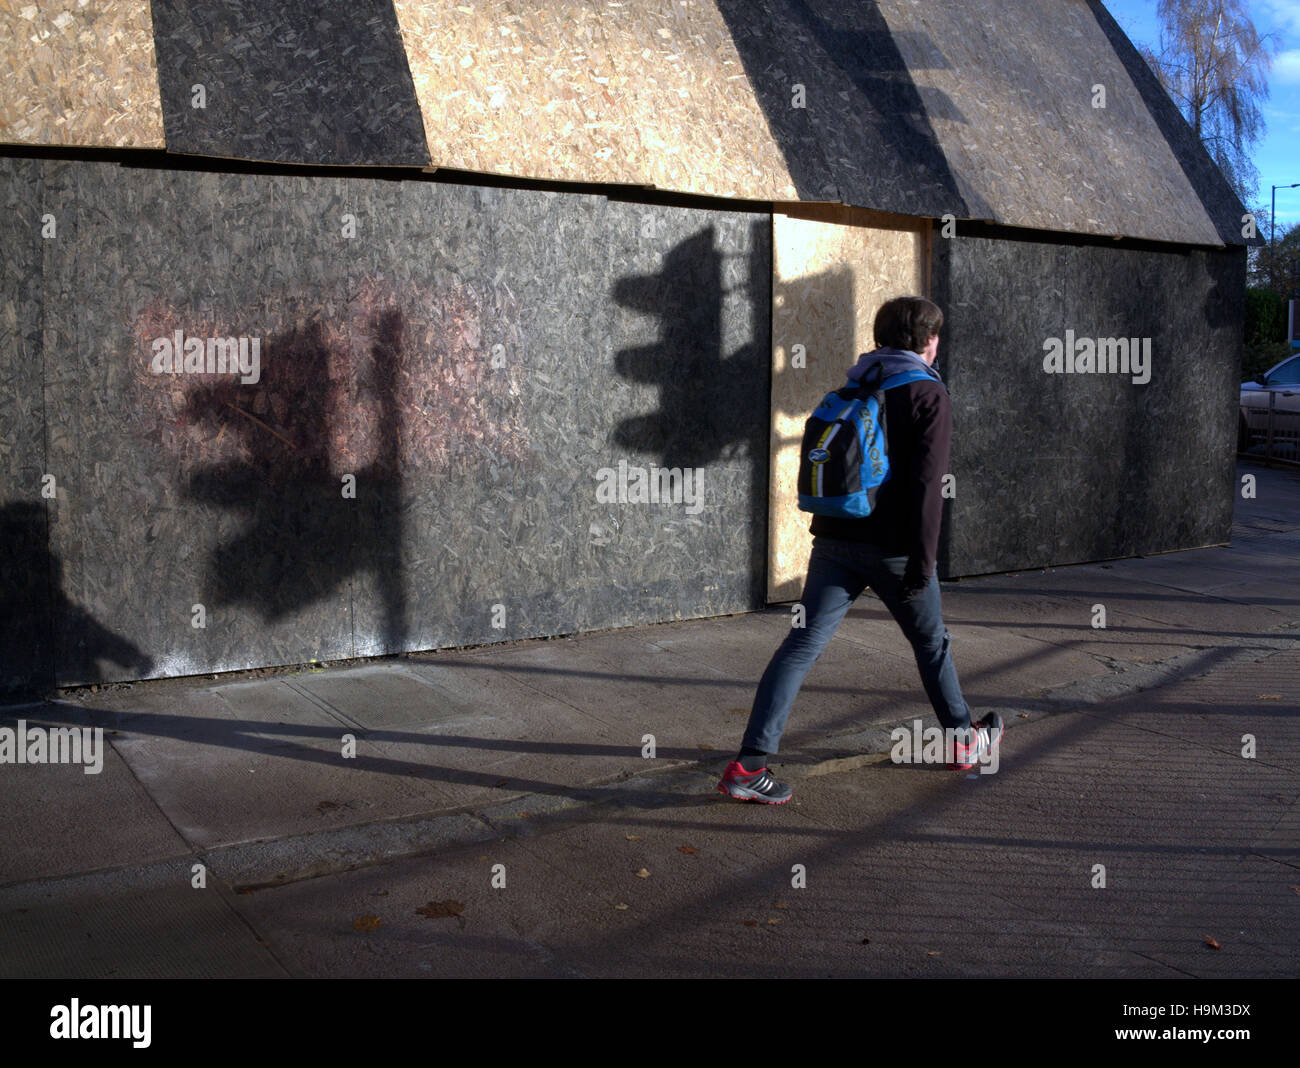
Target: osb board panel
(1065, 468)
(79, 72)
(1170, 443)
(649, 93)
(187, 490)
(630, 334)
(829, 280)
(691, 330)
(1216, 194)
(476, 477)
(291, 81)
(642, 335)
(1000, 299)
(1008, 90)
(26, 655)
(842, 105)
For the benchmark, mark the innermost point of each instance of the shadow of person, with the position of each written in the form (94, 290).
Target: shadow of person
(37, 618)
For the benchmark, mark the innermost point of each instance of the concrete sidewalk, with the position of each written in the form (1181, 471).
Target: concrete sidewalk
(499, 818)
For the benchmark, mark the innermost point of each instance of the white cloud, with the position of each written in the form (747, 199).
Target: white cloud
(1285, 14)
(1278, 119)
(1286, 67)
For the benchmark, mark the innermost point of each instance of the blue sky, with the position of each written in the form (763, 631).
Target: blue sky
(1277, 156)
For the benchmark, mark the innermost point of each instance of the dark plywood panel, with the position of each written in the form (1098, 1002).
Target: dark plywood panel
(498, 521)
(1216, 195)
(194, 489)
(632, 326)
(863, 135)
(289, 81)
(26, 570)
(1010, 473)
(1012, 91)
(1159, 455)
(572, 282)
(22, 207)
(472, 357)
(1176, 487)
(1063, 468)
(691, 359)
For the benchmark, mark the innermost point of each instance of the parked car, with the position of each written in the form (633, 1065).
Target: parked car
(1283, 384)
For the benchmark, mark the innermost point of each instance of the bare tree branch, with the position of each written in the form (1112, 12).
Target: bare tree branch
(1214, 65)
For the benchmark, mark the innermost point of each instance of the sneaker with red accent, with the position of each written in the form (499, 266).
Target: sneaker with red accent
(975, 742)
(753, 785)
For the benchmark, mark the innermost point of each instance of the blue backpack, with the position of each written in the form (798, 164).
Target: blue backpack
(844, 460)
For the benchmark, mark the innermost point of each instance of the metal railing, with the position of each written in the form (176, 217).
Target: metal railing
(1281, 439)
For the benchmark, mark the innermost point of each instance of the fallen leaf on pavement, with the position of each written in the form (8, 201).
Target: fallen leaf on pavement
(774, 919)
(750, 923)
(632, 837)
(1212, 943)
(780, 905)
(643, 874)
(687, 849)
(365, 923)
(436, 910)
(621, 907)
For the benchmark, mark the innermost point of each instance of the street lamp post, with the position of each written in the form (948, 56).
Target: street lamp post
(1272, 230)
(1273, 234)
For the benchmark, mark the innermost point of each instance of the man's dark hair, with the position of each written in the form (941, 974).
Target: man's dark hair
(907, 323)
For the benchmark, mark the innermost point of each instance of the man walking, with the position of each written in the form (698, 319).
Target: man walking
(893, 550)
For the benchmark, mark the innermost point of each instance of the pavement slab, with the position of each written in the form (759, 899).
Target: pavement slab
(54, 813)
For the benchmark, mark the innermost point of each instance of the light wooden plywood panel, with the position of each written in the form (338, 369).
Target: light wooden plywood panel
(833, 267)
(79, 72)
(644, 92)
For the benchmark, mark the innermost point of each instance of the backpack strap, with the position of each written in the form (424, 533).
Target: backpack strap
(904, 377)
(873, 378)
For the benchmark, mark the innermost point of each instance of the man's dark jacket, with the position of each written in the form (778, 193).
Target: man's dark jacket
(918, 431)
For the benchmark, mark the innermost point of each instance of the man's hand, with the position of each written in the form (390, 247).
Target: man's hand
(914, 583)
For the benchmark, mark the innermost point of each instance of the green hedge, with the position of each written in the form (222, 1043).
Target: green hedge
(1258, 358)
(1265, 316)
